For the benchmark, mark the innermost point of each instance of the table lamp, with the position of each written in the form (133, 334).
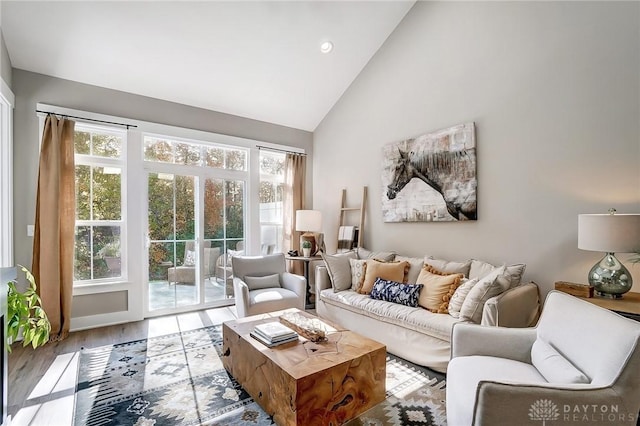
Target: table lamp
(308, 222)
(609, 233)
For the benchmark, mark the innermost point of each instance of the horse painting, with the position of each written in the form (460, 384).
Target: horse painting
(451, 173)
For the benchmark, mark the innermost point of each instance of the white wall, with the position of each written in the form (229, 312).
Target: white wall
(554, 90)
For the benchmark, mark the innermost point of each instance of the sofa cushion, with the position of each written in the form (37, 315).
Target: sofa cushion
(392, 271)
(339, 269)
(386, 256)
(459, 295)
(449, 267)
(465, 373)
(438, 288)
(394, 292)
(480, 269)
(553, 366)
(417, 319)
(486, 288)
(267, 281)
(415, 266)
(358, 269)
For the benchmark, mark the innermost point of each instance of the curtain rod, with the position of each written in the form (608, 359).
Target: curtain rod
(87, 119)
(268, 148)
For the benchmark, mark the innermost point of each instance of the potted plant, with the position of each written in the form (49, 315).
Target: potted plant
(306, 248)
(110, 252)
(24, 312)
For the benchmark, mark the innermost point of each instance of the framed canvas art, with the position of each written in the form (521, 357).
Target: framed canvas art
(432, 177)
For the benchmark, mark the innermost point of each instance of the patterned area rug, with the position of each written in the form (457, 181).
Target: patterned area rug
(178, 379)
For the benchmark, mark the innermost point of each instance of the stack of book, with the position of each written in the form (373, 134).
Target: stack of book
(273, 334)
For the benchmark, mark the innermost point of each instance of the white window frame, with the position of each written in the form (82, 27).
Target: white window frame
(7, 100)
(275, 180)
(121, 163)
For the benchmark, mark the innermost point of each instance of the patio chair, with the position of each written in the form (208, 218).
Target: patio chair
(186, 273)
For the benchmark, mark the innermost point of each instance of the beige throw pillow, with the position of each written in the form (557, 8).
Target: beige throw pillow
(339, 269)
(358, 269)
(438, 289)
(486, 288)
(449, 267)
(416, 264)
(392, 271)
(481, 269)
(386, 256)
(459, 295)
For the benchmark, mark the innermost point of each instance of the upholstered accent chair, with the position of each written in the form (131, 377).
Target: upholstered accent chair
(186, 273)
(581, 363)
(261, 284)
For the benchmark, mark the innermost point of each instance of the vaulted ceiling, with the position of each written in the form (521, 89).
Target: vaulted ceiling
(259, 60)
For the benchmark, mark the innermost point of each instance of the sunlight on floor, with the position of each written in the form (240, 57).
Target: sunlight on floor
(51, 402)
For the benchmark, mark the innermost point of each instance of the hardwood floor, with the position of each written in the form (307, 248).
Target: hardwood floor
(42, 381)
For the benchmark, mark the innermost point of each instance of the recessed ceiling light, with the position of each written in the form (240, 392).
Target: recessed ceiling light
(326, 47)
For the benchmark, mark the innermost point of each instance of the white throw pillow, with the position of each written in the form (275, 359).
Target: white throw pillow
(258, 283)
(481, 269)
(339, 269)
(358, 270)
(554, 367)
(459, 295)
(491, 285)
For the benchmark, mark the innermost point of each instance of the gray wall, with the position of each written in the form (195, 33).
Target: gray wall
(5, 62)
(554, 90)
(30, 88)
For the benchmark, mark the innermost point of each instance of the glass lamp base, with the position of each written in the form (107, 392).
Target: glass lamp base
(610, 278)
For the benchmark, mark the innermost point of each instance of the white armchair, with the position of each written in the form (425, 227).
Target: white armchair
(261, 284)
(580, 364)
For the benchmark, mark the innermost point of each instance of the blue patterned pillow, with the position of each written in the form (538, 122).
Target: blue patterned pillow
(391, 291)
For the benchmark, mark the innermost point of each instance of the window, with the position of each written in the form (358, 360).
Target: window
(271, 201)
(194, 154)
(100, 242)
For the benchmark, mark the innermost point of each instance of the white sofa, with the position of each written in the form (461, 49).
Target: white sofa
(579, 365)
(416, 334)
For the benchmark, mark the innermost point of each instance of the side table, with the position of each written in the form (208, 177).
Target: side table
(309, 304)
(628, 306)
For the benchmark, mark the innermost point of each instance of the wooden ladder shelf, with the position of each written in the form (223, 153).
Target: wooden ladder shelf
(344, 209)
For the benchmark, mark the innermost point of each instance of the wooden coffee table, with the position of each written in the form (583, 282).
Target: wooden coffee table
(306, 383)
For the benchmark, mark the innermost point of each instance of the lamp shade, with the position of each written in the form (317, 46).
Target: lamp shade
(308, 221)
(610, 233)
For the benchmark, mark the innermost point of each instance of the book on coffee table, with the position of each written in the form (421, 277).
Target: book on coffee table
(273, 333)
(271, 344)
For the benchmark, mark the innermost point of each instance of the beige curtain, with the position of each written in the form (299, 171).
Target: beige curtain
(294, 172)
(55, 221)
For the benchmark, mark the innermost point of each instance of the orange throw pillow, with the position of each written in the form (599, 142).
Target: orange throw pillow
(393, 271)
(438, 289)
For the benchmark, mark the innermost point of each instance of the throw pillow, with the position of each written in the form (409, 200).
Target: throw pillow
(416, 264)
(486, 288)
(481, 269)
(391, 291)
(190, 258)
(392, 271)
(339, 269)
(258, 283)
(438, 289)
(459, 295)
(358, 269)
(386, 256)
(449, 267)
(553, 366)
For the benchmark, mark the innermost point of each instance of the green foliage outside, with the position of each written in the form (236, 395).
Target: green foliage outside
(171, 201)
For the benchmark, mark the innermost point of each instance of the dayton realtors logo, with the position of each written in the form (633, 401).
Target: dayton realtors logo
(546, 410)
(543, 410)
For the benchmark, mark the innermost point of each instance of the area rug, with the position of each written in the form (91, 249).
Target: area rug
(178, 379)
